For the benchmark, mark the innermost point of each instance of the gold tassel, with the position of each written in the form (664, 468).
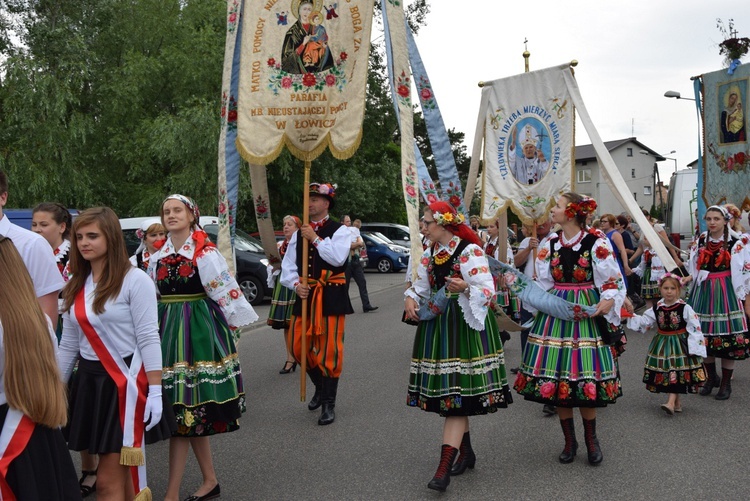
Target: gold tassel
(144, 495)
(132, 456)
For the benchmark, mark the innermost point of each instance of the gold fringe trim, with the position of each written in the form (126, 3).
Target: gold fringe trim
(132, 456)
(144, 495)
(306, 156)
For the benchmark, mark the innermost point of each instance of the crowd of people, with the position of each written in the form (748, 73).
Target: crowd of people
(147, 344)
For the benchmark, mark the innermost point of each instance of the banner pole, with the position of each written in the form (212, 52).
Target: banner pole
(303, 281)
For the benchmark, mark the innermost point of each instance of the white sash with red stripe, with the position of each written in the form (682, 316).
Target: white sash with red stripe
(132, 388)
(16, 433)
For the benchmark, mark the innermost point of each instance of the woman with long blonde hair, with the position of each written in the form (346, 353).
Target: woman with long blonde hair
(110, 319)
(32, 396)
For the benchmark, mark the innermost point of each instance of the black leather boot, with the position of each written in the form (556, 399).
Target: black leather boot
(571, 444)
(712, 379)
(317, 378)
(592, 443)
(442, 476)
(725, 390)
(330, 387)
(466, 458)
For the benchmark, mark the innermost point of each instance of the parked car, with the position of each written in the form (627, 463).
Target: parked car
(250, 259)
(22, 217)
(396, 233)
(384, 255)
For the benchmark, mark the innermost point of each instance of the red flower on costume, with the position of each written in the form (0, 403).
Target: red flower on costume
(185, 270)
(580, 275)
(589, 390)
(403, 91)
(563, 390)
(583, 262)
(162, 273)
(425, 93)
(557, 274)
(455, 201)
(542, 254)
(547, 389)
(602, 252)
(234, 293)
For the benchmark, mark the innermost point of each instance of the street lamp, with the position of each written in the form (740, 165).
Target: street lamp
(676, 95)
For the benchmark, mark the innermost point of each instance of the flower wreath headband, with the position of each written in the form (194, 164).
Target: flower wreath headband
(448, 218)
(583, 208)
(680, 280)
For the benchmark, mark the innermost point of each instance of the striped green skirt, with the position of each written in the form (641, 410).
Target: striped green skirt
(670, 368)
(282, 304)
(456, 370)
(567, 364)
(201, 373)
(649, 288)
(722, 317)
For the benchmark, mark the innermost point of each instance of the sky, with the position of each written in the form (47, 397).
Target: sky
(629, 54)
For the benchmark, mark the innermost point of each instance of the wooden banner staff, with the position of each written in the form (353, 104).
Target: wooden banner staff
(303, 281)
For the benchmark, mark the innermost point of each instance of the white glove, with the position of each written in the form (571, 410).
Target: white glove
(154, 406)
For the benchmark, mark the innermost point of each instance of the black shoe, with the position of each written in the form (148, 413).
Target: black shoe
(87, 490)
(317, 378)
(592, 442)
(288, 368)
(712, 380)
(725, 388)
(330, 388)
(549, 410)
(515, 370)
(443, 474)
(568, 454)
(213, 494)
(370, 308)
(466, 456)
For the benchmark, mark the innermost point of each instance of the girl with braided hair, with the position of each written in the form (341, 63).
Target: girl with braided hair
(717, 262)
(566, 363)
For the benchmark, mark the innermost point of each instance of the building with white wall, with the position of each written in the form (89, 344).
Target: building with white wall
(636, 168)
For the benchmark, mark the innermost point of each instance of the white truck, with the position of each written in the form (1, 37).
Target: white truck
(682, 202)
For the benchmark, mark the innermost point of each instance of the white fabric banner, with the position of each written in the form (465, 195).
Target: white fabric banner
(303, 78)
(528, 143)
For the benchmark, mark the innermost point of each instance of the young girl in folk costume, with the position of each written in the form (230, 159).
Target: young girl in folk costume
(53, 222)
(458, 365)
(110, 319)
(282, 301)
(150, 232)
(566, 363)
(200, 309)
(650, 269)
(34, 460)
(674, 364)
(717, 297)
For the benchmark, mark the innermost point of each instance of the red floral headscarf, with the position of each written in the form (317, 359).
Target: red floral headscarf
(460, 229)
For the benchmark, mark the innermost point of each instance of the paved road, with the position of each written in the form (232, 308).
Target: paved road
(380, 449)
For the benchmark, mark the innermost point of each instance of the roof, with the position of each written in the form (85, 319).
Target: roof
(586, 151)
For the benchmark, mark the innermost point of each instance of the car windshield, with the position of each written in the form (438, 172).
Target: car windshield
(242, 241)
(376, 235)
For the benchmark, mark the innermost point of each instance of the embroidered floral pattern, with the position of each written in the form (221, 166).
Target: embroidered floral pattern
(174, 268)
(334, 77)
(410, 186)
(403, 89)
(228, 111)
(261, 208)
(233, 16)
(426, 96)
(226, 208)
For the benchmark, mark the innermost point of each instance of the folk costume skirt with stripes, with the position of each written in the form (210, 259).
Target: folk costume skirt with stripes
(566, 363)
(44, 469)
(456, 370)
(201, 370)
(722, 317)
(94, 412)
(282, 303)
(669, 367)
(324, 350)
(649, 288)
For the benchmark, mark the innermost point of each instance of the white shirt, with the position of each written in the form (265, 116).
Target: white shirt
(131, 320)
(333, 250)
(528, 266)
(37, 255)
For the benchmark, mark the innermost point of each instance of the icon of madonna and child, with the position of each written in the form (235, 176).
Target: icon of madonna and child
(305, 48)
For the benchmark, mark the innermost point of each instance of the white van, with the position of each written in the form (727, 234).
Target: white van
(682, 201)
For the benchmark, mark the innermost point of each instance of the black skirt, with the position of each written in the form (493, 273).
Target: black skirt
(44, 470)
(94, 422)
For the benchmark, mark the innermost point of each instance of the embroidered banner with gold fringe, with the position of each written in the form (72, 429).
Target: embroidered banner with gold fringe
(528, 133)
(303, 78)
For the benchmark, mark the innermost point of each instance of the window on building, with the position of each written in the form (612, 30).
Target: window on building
(585, 162)
(632, 173)
(583, 176)
(630, 152)
(647, 190)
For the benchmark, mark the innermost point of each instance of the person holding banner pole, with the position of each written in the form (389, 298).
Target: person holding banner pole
(116, 403)
(458, 364)
(324, 294)
(34, 459)
(566, 363)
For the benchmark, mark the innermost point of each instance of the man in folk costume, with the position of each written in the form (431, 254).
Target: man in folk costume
(326, 294)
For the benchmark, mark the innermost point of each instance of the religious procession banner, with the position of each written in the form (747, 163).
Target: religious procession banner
(303, 77)
(528, 143)
(726, 158)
